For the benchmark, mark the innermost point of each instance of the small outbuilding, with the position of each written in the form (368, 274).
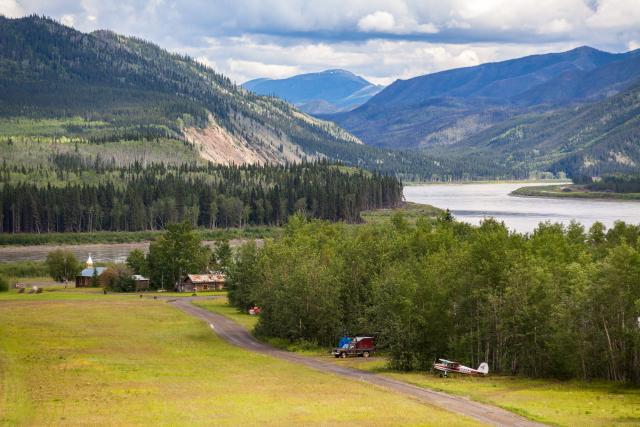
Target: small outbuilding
(202, 282)
(141, 283)
(85, 278)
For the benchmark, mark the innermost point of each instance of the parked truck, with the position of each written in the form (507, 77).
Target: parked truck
(363, 346)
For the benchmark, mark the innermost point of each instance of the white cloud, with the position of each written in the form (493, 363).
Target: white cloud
(427, 28)
(380, 39)
(616, 14)
(378, 21)
(68, 20)
(11, 8)
(260, 69)
(555, 26)
(384, 22)
(380, 61)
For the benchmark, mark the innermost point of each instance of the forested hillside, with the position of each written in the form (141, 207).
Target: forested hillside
(561, 302)
(574, 112)
(446, 107)
(78, 196)
(592, 139)
(65, 91)
(141, 91)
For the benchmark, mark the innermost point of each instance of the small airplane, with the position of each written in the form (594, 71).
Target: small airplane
(449, 366)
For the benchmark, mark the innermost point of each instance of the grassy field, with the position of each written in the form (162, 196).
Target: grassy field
(221, 306)
(59, 293)
(118, 360)
(554, 402)
(570, 191)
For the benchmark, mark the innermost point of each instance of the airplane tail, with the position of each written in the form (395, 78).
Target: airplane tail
(483, 368)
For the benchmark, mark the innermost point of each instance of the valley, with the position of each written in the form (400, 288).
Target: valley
(433, 188)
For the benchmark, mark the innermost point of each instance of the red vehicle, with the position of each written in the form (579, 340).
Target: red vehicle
(363, 346)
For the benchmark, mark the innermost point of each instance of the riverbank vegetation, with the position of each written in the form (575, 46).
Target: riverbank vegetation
(561, 302)
(623, 187)
(572, 191)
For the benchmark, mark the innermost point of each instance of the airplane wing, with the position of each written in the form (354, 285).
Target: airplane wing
(446, 361)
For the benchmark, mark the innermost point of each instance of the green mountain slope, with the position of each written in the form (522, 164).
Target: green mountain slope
(140, 90)
(592, 139)
(449, 106)
(127, 100)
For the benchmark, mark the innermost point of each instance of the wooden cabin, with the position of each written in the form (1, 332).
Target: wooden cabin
(202, 282)
(141, 283)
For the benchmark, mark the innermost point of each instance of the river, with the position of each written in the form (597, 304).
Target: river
(467, 202)
(473, 202)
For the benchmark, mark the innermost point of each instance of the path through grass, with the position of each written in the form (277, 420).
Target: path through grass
(554, 402)
(118, 360)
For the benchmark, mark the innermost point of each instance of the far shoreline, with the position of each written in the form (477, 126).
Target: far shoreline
(572, 191)
(506, 181)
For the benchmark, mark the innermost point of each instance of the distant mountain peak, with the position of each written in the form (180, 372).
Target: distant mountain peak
(339, 71)
(448, 106)
(321, 92)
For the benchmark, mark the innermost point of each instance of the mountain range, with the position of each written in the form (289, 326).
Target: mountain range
(326, 92)
(576, 112)
(103, 90)
(449, 106)
(468, 110)
(592, 138)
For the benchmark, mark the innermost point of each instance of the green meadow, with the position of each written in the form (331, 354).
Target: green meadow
(83, 358)
(565, 403)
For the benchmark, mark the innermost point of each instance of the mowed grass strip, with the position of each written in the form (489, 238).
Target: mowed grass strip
(555, 402)
(115, 361)
(566, 403)
(221, 306)
(59, 293)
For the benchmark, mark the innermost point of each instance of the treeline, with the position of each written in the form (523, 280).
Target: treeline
(148, 198)
(559, 302)
(613, 183)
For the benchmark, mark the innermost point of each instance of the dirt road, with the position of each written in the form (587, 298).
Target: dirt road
(235, 334)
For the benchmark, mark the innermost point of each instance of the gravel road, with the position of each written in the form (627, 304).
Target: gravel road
(235, 334)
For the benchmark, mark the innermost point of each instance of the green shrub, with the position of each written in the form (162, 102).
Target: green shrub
(4, 284)
(24, 269)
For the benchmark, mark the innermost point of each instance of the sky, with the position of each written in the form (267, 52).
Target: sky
(381, 40)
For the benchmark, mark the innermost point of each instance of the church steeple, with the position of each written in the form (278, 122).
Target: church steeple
(89, 262)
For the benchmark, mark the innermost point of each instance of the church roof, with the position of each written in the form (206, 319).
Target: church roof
(88, 272)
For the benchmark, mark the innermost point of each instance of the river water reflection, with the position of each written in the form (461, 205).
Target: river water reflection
(473, 202)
